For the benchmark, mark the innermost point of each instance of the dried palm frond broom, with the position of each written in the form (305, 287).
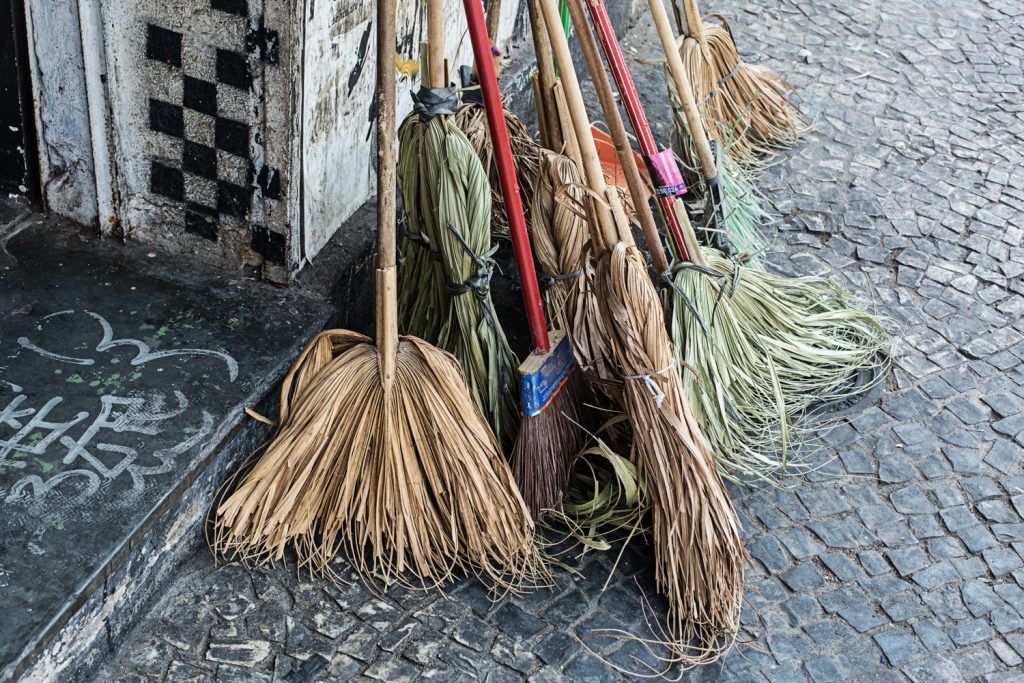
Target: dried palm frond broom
(749, 108)
(472, 121)
(455, 208)
(699, 556)
(380, 451)
(553, 394)
(732, 213)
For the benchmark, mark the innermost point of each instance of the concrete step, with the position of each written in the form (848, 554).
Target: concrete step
(123, 378)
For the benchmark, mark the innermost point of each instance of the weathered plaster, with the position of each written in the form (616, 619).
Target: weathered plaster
(62, 109)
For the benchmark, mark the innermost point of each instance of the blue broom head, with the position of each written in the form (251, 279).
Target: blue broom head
(542, 375)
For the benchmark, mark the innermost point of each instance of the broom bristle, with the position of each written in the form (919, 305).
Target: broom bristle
(766, 350)
(699, 555)
(748, 106)
(548, 441)
(403, 478)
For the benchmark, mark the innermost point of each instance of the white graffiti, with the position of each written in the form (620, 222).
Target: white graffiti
(94, 448)
(143, 352)
(94, 454)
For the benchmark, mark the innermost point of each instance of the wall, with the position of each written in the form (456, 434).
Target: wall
(62, 111)
(241, 130)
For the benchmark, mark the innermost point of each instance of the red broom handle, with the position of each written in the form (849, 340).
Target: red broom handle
(635, 112)
(507, 174)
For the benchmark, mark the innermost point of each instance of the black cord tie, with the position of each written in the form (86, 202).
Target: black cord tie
(431, 102)
(549, 281)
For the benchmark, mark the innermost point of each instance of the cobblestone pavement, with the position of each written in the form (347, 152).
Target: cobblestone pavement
(902, 558)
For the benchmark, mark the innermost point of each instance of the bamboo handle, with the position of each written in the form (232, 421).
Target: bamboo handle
(619, 136)
(436, 43)
(695, 25)
(385, 281)
(690, 238)
(493, 19)
(675, 67)
(546, 74)
(609, 231)
(569, 148)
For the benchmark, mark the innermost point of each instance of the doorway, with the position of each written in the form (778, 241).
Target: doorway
(19, 164)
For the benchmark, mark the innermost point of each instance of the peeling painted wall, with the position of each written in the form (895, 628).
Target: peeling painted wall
(338, 107)
(62, 113)
(188, 85)
(242, 130)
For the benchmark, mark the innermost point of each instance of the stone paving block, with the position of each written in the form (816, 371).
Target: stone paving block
(1006, 620)
(897, 645)
(824, 669)
(770, 552)
(842, 533)
(971, 632)
(1003, 456)
(978, 538)
(907, 560)
(958, 518)
(933, 670)
(804, 577)
(873, 562)
(1001, 561)
(800, 543)
(903, 606)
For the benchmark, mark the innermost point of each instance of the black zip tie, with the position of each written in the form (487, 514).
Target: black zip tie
(549, 281)
(431, 102)
(422, 240)
(480, 286)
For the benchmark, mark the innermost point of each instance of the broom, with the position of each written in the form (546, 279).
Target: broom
(380, 451)
(748, 106)
(553, 395)
(732, 209)
(699, 556)
(454, 200)
(762, 349)
(472, 121)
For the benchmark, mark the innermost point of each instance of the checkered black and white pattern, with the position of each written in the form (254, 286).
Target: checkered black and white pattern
(202, 110)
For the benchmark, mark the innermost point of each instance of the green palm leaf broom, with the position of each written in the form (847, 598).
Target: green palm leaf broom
(449, 264)
(763, 349)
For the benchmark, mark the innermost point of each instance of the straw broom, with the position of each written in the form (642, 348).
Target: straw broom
(380, 451)
(699, 556)
(472, 121)
(749, 108)
(732, 212)
(454, 201)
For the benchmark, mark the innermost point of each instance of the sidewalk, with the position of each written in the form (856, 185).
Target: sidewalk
(902, 557)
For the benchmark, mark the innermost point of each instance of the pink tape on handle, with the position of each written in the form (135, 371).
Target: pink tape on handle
(668, 179)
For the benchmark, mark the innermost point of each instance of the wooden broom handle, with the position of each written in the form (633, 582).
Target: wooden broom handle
(675, 67)
(695, 25)
(547, 108)
(386, 279)
(386, 229)
(435, 43)
(609, 233)
(619, 136)
(493, 19)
